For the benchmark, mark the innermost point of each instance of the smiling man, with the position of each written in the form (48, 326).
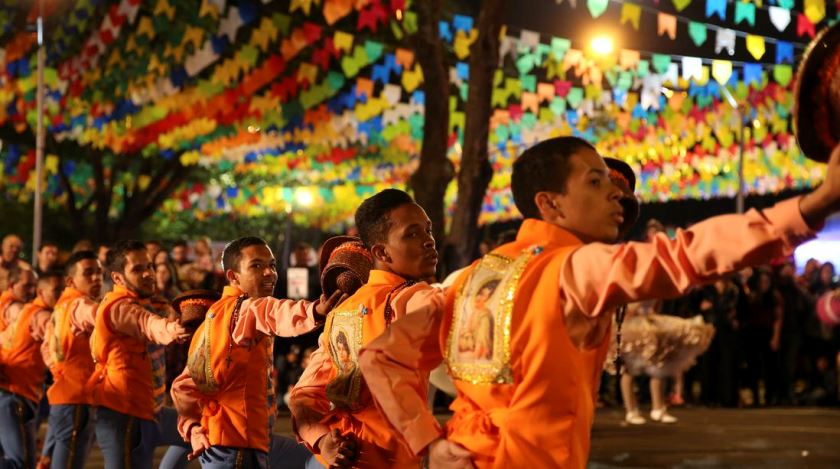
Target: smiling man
(530, 404)
(225, 396)
(128, 373)
(331, 403)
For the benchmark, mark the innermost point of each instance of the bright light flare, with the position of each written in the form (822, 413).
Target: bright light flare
(602, 45)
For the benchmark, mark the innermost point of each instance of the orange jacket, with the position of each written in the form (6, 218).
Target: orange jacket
(122, 377)
(492, 419)
(71, 364)
(333, 371)
(20, 356)
(236, 381)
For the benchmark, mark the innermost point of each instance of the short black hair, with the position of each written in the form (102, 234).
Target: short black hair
(50, 274)
(116, 258)
(179, 244)
(75, 258)
(543, 167)
(47, 244)
(233, 251)
(372, 218)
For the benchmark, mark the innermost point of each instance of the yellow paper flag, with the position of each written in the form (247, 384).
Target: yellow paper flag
(631, 13)
(721, 70)
(755, 44)
(815, 10)
(343, 41)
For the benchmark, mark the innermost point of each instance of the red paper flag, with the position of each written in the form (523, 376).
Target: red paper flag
(804, 26)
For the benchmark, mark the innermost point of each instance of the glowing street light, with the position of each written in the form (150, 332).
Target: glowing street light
(304, 197)
(602, 45)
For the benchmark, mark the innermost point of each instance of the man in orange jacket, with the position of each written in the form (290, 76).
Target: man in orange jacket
(66, 351)
(225, 396)
(528, 401)
(128, 375)
(22, 370)
(331, 400)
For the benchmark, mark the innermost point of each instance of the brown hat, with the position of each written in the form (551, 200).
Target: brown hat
(345, 265)
(816, 110)
(623, 176)
(192, 305)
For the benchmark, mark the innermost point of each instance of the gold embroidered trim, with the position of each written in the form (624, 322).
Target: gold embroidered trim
(498, 370)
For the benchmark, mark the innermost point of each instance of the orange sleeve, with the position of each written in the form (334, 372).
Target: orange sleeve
(395, 363)
(186, 398)
(38, 324)
(308, 400)
(284, 318)
(135, 321)
(83, 316)
(597, 277)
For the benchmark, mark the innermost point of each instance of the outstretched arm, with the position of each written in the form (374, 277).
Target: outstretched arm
(395, 366)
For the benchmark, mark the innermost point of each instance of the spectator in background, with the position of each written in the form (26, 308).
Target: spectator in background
(719, 365)
(204, 254)
(82, 245)
(761, 336)
(303, 257)
(797, 306)
(809, 273)
(47, 258)
(10, 258)
(102, 254)
(180, 253)
(824, 280)
(154, 247)
(165, 281)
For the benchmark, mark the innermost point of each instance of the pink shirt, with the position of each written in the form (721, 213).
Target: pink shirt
(596, 278)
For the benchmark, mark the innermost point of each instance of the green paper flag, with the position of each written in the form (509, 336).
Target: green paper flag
(410, 22)
(787, 4)
(745, 11)
(661, 62)
(681, 4)
(373, 50)
(597, 7)
(625, 81)
(643, 68)
(783, 74)
(525, 63)
(529, 83)
(574, 97)
(559, 46)
(281, 22)
(697, 31)
(558, 106)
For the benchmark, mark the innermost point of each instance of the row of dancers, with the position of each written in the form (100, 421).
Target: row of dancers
(523, 332)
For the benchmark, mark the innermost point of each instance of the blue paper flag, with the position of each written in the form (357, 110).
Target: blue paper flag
(784, 52)
(752, 73)
(462, 23)
(716, 7)
(444, 31)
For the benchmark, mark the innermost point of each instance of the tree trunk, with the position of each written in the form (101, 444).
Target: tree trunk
(476, 172)
(435, 171)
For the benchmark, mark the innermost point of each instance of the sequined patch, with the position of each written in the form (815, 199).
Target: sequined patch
(478, 344)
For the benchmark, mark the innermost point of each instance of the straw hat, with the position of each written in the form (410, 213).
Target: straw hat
(345, 265)
(192, 305)
(816, 111)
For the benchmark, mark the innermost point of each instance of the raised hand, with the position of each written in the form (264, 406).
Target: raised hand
(327, 304)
